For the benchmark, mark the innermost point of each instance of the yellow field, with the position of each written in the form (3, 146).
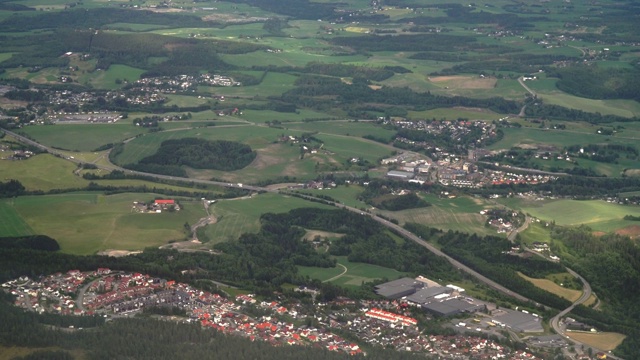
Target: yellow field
(591, 300)
(464, 82)
(15, 351)
(357, 29)
(605, 340)
(550, 286)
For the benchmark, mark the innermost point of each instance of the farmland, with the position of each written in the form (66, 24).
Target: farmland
(235, 217)
(550, 286)
(597, 214)
(101, 222)
(606, 341)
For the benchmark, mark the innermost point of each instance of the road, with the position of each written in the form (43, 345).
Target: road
(555, 322)
(380, 220)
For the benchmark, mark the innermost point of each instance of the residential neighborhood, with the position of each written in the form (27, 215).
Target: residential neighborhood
(386, 323)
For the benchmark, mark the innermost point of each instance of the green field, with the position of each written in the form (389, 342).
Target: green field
(46, 172)
(273, 160)
(355, 275)
(11, 224)
(238, 216)
(82, 137)
(459, 214)
(597, 214)
(84, 223)
(107, 79)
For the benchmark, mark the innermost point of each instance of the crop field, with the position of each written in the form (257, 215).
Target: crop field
(11, 224)
(82, 137)
(550, 286)
(347, 128)
(238, 216)
(347, 195)
(459, 214)
(84, 223)
(262, 116)
(42, 172)
(597, 214)
(606, 341)
(107, 79)
(350, 273)
(273, 159)
(455, 113)
(532, 136)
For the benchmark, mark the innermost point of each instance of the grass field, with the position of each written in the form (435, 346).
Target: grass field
(239, 216)
(560, 138)
(84, 223)
(11, 224)
(606, 341)
(597, 214)
(550, 286)
(273, 160)
(46, 172)
(458, 214)
(107, 79)
(355, 274)
(82, 137)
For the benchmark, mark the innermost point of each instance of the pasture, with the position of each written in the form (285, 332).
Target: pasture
(550, 286)
(348, 273)
(82, 137)
(458, 214)
(273, 160)
(606, 341)
(597, 214)
(238, 216)
(85, 223)
(11, 224)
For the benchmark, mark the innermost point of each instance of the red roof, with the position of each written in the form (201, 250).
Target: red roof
(165, 202)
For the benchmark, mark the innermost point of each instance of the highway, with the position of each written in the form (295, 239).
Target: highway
(555, 321)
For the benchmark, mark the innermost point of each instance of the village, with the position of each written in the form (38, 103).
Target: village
(387, 323)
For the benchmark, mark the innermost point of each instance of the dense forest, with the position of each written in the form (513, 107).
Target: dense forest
(611, 264)
(196, 153)
(593, 82)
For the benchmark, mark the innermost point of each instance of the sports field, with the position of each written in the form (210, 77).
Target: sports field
(349, 273)
(238, 216)
(606, 341)
(84, 223)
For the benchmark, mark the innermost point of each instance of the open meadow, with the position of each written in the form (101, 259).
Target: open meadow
(82, 137)
(606, 341)
(597, 214)
(348, 273)
(235, 217)
(458, 214)
(550, 286)
(274, 159)
(85, 223)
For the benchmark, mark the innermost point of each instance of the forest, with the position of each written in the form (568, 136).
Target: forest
(611, 264)
(380, 194)
(198, 154)
(593, 82)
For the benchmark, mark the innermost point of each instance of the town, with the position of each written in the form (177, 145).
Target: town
(386, 323)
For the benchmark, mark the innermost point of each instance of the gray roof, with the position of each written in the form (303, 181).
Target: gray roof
(426, 294)
(401, 174)
(520, 321)
(398, 288)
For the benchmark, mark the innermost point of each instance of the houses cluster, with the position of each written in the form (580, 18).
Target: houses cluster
(53, 293)
(380, 322)
(157, 206)
(455, 131)
(18, 155)
(180, 83)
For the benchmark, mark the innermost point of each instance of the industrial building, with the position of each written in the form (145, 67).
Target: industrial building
(399, 288)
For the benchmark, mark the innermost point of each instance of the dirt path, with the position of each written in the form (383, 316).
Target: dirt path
(339, 275)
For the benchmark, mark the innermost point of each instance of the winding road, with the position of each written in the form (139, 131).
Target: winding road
(555, 321)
